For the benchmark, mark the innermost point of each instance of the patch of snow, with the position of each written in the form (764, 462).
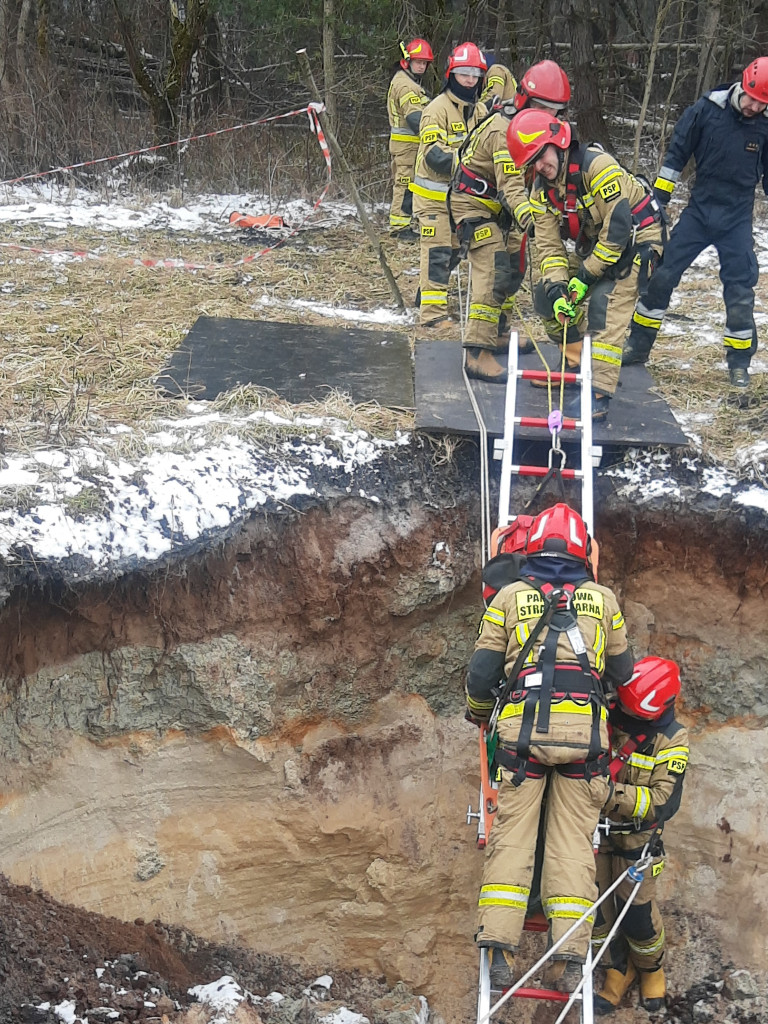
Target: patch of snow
(755, 496)
(344, 1016)
(222, 996)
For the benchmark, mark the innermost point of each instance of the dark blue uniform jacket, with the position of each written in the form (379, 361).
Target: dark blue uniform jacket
(730, 150)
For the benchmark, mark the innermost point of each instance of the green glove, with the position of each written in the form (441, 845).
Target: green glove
(577, 290)
(564, 311)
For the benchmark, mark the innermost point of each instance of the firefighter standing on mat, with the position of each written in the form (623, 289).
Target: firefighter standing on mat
(485, 190)
(559, 639)
(406, 101)
(489, 203)
(444, 126)
(650, 750)
(726, 132)
(615, 225)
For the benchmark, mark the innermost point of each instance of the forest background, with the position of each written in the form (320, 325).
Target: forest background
(83, 79)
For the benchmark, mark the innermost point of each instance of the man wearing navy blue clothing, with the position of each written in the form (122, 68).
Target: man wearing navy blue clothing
(726, 132)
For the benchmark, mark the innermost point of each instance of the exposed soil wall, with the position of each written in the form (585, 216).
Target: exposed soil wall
(265, 742)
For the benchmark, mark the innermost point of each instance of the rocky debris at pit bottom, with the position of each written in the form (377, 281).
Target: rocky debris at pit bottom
(59, 963)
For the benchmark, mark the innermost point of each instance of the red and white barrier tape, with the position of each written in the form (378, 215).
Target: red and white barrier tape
(312, 110)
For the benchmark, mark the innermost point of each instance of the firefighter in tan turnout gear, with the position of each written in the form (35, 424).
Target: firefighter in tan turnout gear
(406, 101)
(485, 190)
(489, 203)
(499, 83)
(583, 193)
(650, 755)
(559, 640)
(444, 126)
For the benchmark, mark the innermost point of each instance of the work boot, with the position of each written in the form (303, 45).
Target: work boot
(615, 987)
(483, 365)
(633, 353)
(653, 988)
(406, 235)
(739, 376)
(600, 406)
(501, 968)
(564, 975)
(440, 327)
(524, 345)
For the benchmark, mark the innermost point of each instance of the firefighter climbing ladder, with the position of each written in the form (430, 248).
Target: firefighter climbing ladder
(554, 423)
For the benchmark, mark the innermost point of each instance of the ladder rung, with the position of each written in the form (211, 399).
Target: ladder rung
(555, 376)
(550, 994)
(540, 421)
(566, 474)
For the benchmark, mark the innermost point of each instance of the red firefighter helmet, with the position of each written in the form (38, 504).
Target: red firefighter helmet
(417, 49)
(652, 689)
(545, 82)
(561, 532)
(465, 58)
(531, 130)
(754, 81)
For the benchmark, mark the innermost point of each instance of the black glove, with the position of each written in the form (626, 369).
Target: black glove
(557, 291)
(661, 197)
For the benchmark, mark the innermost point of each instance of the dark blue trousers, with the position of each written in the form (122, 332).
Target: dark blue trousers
(698, 228)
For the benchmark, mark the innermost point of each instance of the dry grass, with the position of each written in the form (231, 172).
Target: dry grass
(83, 339)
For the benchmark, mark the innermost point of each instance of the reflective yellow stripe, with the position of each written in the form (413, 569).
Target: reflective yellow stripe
(488, 314)
(515, 896)
(413, 97)
(428, 193)
(435, 298)
(480, 706)
(567, 907)
(495, 615)
(399, 222)
(647, 948)
(599, 648)
(605, 254)
(664, 185)
(553, 263)
(646, 321)
(673, 754)
(611, 172)
(603, 353)
(740, 343)
(398, 136)
(642, 761)
(617, 621)
(642, 802)
(569, 707)
(522, 632)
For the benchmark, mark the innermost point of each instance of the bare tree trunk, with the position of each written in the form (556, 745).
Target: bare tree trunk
(661, 16)
(708, 34)
(187, 26)
(22, 29)
(672, 87)
(329, 71)
(586, 91)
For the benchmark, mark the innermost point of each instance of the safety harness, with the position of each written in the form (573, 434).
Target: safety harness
(559, 617)
(644, 213)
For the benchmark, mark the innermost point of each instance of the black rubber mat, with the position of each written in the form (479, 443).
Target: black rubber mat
(638, 414)
(299, 362)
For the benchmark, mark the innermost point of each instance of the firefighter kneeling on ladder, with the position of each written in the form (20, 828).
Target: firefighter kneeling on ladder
(650, 757)
(559, 640)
